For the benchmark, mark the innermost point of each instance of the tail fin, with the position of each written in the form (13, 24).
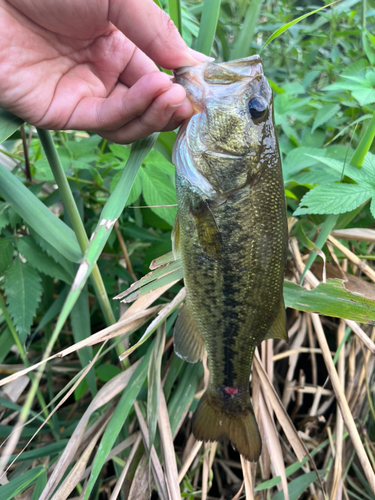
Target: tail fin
(213, 422)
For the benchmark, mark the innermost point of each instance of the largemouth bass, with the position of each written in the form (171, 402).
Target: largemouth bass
(231, 232)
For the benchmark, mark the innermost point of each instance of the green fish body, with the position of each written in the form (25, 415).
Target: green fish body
(231, 232)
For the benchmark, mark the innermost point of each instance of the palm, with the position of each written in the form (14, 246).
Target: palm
(74, 69)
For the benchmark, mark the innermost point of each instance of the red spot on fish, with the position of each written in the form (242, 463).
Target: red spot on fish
(231, 390)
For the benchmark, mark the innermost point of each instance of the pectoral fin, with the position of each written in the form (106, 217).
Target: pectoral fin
(278, 329)
(176, 239)
(208, 231)
(188, 342)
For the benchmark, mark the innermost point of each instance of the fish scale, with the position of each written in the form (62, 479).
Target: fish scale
(232, 238)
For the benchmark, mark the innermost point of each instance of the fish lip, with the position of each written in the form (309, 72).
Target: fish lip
(184, 69)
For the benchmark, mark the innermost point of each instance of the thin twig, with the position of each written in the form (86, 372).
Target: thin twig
(129, 266)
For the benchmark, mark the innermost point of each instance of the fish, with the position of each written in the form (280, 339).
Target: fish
(231, 235)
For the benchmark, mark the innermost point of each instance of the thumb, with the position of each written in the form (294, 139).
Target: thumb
(152, 30)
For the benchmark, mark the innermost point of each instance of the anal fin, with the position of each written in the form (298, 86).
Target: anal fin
(278, 328)
(188, 342)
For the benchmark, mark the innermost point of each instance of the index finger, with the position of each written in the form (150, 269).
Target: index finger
(151, 29)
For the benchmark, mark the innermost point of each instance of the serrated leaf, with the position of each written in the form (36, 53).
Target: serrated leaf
(159, 190)
(358, 175)
(334, 199)
(23, 290)
(41, 261)
(51, 251)
(119, 151)
(6, 254)
(324, 114)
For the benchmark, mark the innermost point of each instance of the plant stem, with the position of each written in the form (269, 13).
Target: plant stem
(22, 352)
(75, 219)
(364, 144)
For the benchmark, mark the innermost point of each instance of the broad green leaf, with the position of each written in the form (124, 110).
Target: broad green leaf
(6, 254)
(9, 123)
(159, 190)
(297, 486)
(324, 114)
(106, 372)
(164, 144)
(81, 326)
(23, 290)
(40, 260)
(363, 176)
(38, 216)
(156, 160)
(334, 199)
(299, 159)
(19, 484)
(210, 16)
(122, 152)
(118, 419)
(330, 299)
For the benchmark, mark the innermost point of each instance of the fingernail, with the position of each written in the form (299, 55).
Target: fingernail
(169, 86)
(199, 56)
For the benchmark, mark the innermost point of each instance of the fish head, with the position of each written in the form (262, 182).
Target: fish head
(233, 102)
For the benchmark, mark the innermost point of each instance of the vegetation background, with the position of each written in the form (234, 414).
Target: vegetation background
(89, 385)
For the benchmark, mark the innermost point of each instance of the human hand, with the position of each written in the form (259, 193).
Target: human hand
(91, 65)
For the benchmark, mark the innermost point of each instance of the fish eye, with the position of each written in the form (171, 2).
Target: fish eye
(257, 107)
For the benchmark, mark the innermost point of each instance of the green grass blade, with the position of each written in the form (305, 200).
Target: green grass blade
(364, 144)
(297, 486)
(8, 124)
(154, 382)
(118, 419)
(284, 28)
(184, 394)
(38, 216)
(242, 48)
(327, 227)
(207, 30)
(19, 484)
(175, 13)
(81, 326)
(330, 299)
